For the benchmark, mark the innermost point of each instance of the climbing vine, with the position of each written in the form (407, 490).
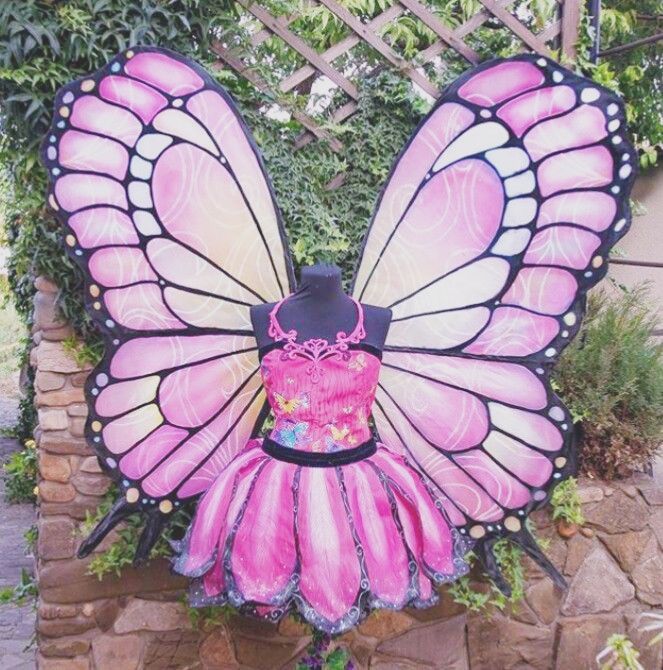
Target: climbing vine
(45, 44)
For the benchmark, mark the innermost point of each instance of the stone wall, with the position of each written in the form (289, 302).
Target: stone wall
(614, 567)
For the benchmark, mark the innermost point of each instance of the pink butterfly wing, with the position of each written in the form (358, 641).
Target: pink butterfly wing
(496, 219)
(169, 213)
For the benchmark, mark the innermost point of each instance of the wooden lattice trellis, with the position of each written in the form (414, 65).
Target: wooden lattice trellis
(563, 32)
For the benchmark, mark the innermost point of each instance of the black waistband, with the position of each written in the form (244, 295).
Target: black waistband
(316, 459)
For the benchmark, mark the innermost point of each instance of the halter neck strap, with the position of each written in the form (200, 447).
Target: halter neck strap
(277, 333)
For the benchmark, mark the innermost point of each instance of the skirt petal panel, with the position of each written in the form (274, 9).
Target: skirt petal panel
(385, 555)
(212, 513)
(428, 519)
(332, 542)
(330, 572)
(263, 555)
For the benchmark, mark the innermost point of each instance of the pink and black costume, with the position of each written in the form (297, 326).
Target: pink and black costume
(318, 515)
(382, 466)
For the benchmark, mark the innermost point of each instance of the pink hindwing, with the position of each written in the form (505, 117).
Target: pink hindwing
(168, 211)
(497, 218)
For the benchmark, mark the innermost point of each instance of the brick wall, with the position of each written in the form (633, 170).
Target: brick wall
(137, 620)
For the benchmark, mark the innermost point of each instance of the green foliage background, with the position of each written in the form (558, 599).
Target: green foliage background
(44, 44)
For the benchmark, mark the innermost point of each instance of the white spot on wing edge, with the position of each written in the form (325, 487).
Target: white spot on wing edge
(589, 94)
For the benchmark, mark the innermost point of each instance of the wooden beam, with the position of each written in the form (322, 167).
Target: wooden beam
(380, 46)
(570, 26)
(443, 32)
(300, 47)
(261, 35)
(516, 27)
(474, 22)
(644, 264)
(339, 48)
(241, 68)
(651, 39)
(552, 31)
(340, 115)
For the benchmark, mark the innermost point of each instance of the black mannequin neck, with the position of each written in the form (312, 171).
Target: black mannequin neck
(321, 283)
(319, 307)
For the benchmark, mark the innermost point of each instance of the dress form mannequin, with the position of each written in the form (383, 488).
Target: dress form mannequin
(320, 309)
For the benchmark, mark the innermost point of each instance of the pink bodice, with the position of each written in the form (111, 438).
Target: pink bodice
(321, 393)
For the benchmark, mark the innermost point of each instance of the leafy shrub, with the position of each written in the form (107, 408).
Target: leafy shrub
(565, 502)
(30, 536)
(204, 618)
(619, 654)
(121, 551)
(25, 590)
(611, 377)
(487, 596)
(20, 474)
(320, 655)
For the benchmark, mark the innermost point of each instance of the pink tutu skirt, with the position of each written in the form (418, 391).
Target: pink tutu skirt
(331, 542)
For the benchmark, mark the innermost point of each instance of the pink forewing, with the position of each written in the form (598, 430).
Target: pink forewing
(581, 168)
(528, 465)
(156, 446)
(185, 398)
(591, 209)
(140, 307)
(543, 289)
(146, 355)
(502, 487)
(179, 466)
(450, 418)
(123, 396)
(82, 151)
(142, 100)
(193, 220)
(508, 382)
(500, 82)
(562, 245)
(122, 433)
(531, 428)
(103, 226)
(584, 125)
(526, 110)
(459, 211)
(216, 115)
(165, 73)
(472, 500)
(97, 116)
(120, 266)
(78, 190)
(444, 124)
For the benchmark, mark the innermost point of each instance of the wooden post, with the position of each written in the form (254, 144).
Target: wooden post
(570, 26)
